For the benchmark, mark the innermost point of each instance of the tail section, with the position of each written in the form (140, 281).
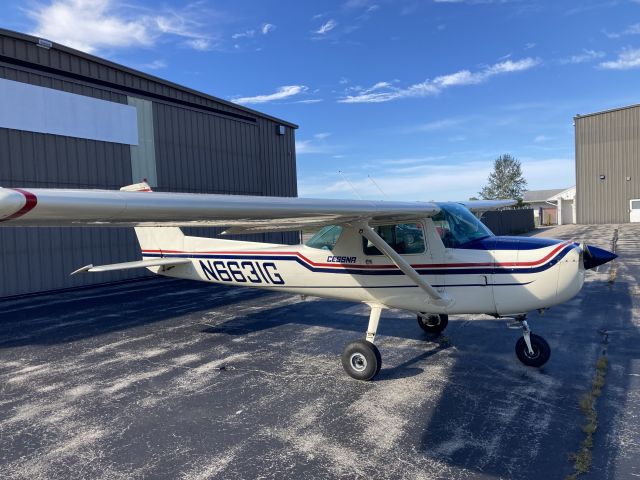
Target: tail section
(156, 239)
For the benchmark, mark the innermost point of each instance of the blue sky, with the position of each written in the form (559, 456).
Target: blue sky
(420, 96)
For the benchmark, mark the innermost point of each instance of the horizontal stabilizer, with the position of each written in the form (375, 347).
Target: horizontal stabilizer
(165, 262)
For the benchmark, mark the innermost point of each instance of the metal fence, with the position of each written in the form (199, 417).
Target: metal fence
(509, 222)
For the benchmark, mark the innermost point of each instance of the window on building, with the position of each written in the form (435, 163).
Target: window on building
(405, 238)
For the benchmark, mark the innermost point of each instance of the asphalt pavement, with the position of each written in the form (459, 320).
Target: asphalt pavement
(175, 379)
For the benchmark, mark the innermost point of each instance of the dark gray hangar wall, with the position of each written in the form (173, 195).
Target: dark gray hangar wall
(607, 143)
(189, 141)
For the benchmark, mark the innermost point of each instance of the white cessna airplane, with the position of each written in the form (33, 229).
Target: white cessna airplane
(433, 259)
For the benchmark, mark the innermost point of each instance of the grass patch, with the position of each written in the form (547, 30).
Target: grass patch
(583, 458)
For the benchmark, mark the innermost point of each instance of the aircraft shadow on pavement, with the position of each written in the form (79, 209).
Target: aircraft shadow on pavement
(76, 315)
(328, 315)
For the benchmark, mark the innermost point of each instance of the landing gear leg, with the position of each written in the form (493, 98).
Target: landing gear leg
(531, 349)
(361, 359)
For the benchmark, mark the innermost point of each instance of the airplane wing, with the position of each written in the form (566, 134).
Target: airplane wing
(62, 207)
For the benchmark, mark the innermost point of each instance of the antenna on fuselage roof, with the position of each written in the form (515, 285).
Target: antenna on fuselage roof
(350, 184)
(377, 186)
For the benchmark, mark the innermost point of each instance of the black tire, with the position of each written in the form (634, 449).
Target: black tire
(541, 351)
(433, 323)
(361, 360)
(376, 350)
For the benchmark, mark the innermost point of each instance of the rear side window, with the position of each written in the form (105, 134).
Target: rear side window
(635, 205)
(405, 238)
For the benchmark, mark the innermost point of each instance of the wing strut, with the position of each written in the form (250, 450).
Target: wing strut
(370, 234)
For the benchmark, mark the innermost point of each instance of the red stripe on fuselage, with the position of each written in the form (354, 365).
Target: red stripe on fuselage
(376, 267)
(31, 202)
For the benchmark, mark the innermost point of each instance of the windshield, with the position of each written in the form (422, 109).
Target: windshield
(457, 226)
(326, 238)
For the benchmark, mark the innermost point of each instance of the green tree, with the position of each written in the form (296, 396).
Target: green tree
(505, 181)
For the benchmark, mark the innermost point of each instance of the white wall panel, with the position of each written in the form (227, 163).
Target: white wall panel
(44, 110)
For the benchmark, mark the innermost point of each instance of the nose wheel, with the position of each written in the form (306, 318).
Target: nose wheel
(433, 323)
(532, 349)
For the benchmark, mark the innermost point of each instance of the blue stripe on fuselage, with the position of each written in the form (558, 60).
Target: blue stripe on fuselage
(510, 243)
(362, 271)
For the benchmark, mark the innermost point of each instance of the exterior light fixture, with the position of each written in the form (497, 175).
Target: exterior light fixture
(42, 43)
(281, 129)
(602, 177)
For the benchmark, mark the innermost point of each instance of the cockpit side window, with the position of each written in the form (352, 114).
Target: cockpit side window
(326, 238)
(457, 226)
(405, 238)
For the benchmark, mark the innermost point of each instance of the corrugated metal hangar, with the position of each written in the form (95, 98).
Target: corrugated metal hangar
(69, 119)
(608, 166)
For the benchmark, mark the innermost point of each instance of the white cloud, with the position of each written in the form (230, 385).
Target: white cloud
(327, 27)
(510, 66)
(201, 44)
(91, 25)
(630, 30)
(245, 34)
(541, 139)
(304, 147)
(378, 86)
(585, 56)
(432, 126)
(88, 24)
(627, 59)
(317, 145)
(385, 91)
(472, 2)
(267, 27)
(282, 93)
(356, 3)
(310, 100)
(155, 65)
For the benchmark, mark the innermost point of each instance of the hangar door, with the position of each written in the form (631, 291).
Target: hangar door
(634, 210)
(567, 212)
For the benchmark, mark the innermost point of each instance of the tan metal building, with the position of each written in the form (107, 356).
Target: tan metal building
(608, 166)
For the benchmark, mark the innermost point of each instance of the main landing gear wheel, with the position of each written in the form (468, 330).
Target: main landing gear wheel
(433, 323)
(539, 354)
(361, 360)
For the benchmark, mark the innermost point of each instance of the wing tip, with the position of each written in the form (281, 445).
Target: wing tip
(143, 186)
(86, 268)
